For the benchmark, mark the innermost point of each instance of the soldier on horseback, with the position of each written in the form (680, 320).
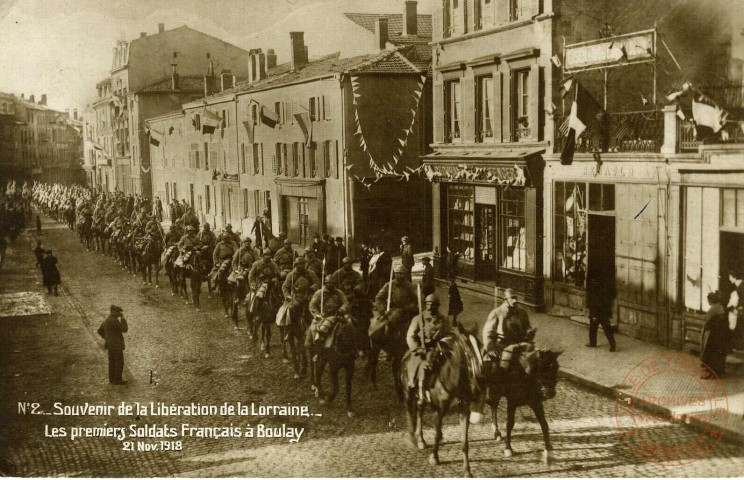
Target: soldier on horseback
(506, 330)
(209, 240)
(403, 298)
(223, 253)
(235, 237)
(346, 277)
(426, 329)
(189, 217)
(314, 264)
(298, 289)
(242, 262)
(284, 258)
(328, 308)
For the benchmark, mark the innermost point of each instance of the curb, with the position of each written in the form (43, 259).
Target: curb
(611, 392)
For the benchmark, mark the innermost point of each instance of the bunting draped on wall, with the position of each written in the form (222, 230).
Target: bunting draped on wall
(384, 150)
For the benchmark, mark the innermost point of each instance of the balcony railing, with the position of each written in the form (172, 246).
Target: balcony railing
(617, 132)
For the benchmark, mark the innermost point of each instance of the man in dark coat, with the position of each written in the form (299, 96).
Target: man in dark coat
(599, 297)
(365, 256)
(714, 339)
(427, 279)
(50, 273)
(112, 330)
(39, 252)
(406, 255)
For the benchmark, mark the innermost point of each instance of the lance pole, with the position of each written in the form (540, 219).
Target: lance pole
(322, 285)
(390, 287)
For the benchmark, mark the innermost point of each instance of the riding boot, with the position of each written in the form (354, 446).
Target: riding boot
(421, 391)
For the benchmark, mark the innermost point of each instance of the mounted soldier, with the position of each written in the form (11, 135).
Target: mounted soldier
(189, 242)
(507, 332)
(276, 243)
(314, 264)
(242, 262)
(234, 236)
(425, 331)
(298, 289)
(346, 277)
(328, 308)
(222, 261)
(262, 271)
(403, 300)
(284, 258)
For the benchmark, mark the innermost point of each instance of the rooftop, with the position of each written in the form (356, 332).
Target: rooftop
(395, 26)
(186, 83)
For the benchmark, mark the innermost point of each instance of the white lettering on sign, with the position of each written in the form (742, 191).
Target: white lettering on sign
(610, 52)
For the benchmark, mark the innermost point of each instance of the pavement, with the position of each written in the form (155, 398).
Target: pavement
(176, 355)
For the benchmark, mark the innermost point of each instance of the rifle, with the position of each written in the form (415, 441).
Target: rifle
(390, 287)
(322, 284)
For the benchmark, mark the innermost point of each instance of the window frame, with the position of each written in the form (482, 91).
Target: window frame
(484, 97)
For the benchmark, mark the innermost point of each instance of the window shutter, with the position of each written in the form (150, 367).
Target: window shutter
(334, 158)
(261, 159)
(284, 159)
(247, 158)
(497, 102)
(327, 108)
(508, 93)
(534, 101)
(439, 117)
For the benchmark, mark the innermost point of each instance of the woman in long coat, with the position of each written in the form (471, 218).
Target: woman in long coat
(49, 272)
(715, 337)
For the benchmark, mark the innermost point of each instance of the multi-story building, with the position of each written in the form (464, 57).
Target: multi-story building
(37, 141)
(522, 219)
(326, 146)
(139, 68)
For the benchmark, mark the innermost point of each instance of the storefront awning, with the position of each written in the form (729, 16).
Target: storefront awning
(522, 167)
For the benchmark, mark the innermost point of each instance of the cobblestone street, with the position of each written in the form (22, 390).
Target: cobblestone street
(199, 357)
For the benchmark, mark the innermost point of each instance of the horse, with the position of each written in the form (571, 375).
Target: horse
(349, 338)
(361, 311)
(150, 251)
(99, 235)
(168, 259)
(194, 268)
(219, 276)
(393, 341)
(455, 368)
(84, 228)
(262, 304)
(528, 381)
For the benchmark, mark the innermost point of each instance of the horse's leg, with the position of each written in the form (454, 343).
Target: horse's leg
(348, 375)
(495, 417)
(334, 379)
(420, 443)
(465, 444)
(293, 349)
(537, 407)
(284, 337)
(319, 368)
(511, 410)
(157, 268)
(196, 291)
(145, 270)
(266, 334)
(396, 376)
(411, 417)
(374, 354)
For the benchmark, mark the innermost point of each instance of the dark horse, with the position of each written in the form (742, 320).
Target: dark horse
(150, 249)
(455, 367)
(261, 308)
(528, 381)
(195, 269)
(349, 338)
(392, 339)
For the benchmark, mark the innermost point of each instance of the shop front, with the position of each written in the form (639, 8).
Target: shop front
(490, 216)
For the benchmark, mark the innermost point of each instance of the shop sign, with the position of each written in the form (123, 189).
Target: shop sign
(619, 171)
(615, 51)
(497, 175)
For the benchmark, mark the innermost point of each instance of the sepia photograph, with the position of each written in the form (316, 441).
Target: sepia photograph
(372, 238)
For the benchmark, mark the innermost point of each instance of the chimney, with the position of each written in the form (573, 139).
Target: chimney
(410, 19)
(381, 33)
(298, 51)
(43, 100)
(143, 34)
(270, 59)
(31, 99)
(74, 113)
(174, 77)
(260, 65)
(161, 27)
(226, 80)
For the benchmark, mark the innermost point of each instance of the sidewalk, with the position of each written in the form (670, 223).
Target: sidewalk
(603, 371)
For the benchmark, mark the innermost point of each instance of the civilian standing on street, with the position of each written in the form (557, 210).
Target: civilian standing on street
(112, 330)
(599, 298)
(455, 302)
(714, 339)
(427, 279)
(39, 252)
(365, 257)
(735, 307)
(50, 273)
(406, 254)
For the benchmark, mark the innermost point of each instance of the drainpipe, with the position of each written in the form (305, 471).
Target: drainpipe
(342, 173)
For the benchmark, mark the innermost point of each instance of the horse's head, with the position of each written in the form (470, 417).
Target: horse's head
(542, 365)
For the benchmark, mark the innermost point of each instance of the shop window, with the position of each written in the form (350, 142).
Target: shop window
(569, 255)
(513, 231)
(453, 112)
(460, 203)
(484, 89)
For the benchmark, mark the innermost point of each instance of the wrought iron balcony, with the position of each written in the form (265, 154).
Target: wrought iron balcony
(616, 132)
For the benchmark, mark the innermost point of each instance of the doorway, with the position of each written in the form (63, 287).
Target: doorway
(601, 251)
(731, 257)
(485, 242)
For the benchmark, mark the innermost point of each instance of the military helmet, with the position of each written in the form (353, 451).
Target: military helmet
(247, 240)
(287, 241)
(191, 228)
(228, 227)
(330, 279)
(267, 251)
(432, 298)
(299, 261)
(401, 269)
(347, 261)
(206, 225)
